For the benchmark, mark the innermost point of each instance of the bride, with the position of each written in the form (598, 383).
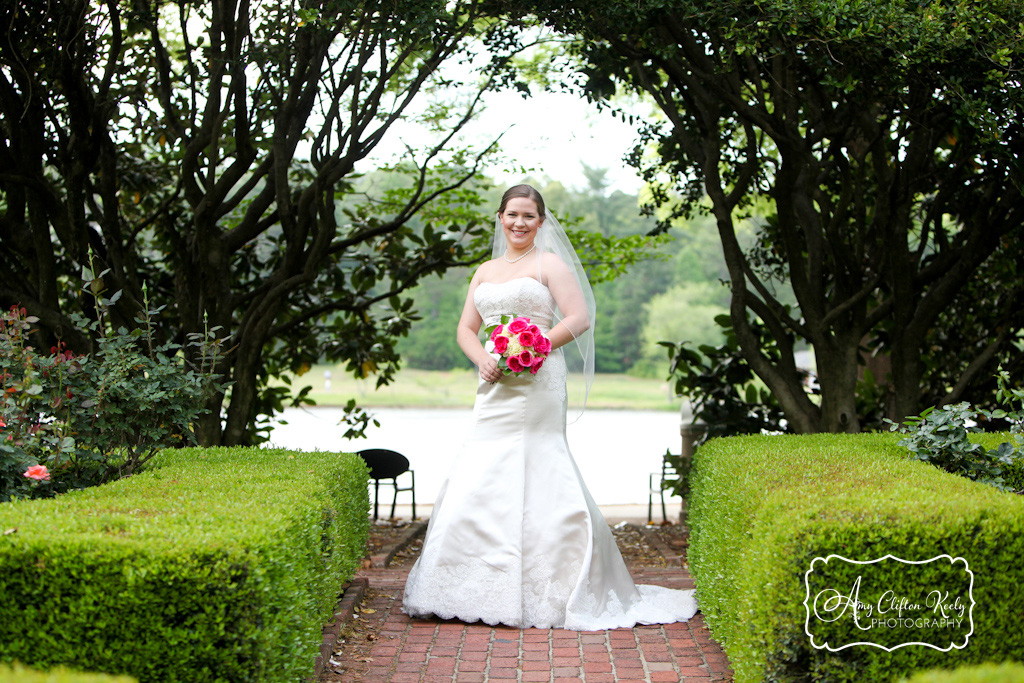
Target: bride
(515, 537)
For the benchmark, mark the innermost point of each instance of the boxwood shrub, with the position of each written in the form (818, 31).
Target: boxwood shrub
(1007, 672)
(21, 674)
(214, 565)
(762, 508)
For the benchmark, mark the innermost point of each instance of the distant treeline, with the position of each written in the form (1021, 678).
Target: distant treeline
(674, 296)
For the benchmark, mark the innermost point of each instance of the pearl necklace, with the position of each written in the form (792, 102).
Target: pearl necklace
(518, 258)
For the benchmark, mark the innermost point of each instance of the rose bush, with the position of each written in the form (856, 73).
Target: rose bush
(85, 419)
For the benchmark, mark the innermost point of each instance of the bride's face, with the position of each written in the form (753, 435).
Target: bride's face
(520, 222)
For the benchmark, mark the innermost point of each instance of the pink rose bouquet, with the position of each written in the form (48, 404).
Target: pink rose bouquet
(520, 344)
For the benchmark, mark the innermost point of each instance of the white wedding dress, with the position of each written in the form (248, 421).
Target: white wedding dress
(514, 537)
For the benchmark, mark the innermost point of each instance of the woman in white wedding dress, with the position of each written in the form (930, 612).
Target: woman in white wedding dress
(514, 537)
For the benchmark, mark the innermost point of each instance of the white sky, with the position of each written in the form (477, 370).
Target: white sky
(548, 134)
(557, 132)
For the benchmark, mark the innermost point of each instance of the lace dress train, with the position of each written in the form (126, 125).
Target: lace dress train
(515, 537)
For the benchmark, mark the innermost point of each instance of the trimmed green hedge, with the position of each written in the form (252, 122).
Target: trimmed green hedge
(762, 508)
(214, 565)
(1007, 672)
(19, 674)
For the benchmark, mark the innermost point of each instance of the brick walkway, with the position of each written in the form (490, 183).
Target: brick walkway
(383, 645)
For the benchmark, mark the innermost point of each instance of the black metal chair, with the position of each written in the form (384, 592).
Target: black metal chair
(389, 465)
(656, 487)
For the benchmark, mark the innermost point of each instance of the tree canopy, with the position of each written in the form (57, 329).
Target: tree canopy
(198, 153)
(887, 138)
(199, 157)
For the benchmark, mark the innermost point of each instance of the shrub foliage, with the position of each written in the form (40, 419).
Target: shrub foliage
(21, 674)
(210, 565)
(763, 508)
(941, 436)
(91, 418)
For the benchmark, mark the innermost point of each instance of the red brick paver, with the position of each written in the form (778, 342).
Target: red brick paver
(397, 649)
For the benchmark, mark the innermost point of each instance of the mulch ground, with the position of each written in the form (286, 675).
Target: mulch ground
(635, 543)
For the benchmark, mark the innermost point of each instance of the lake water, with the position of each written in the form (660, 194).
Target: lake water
(615, 450)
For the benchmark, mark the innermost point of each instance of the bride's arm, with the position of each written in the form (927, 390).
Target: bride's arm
(468, 335)
(570, 301)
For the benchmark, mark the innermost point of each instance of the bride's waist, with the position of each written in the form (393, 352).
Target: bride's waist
(543, 325)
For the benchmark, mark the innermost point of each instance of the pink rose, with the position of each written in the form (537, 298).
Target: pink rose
(542, 345)
(525, 338)
(536, 366)
(518, 325)
(38, 472)
(526, 359)
(501, 344)
(514, 365)
(533, 329)
(497, 330)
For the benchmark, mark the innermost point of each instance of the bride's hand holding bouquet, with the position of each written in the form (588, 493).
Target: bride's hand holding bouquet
(520, 344)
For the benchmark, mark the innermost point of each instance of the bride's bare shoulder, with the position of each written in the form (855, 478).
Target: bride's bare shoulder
(553, 263)
(485, 270)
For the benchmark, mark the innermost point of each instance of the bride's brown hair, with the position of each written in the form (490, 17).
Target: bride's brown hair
(527, 191)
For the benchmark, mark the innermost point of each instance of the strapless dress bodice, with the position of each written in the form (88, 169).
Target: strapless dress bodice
(523, 296)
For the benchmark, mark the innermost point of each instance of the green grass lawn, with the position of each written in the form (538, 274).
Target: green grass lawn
(457, 388)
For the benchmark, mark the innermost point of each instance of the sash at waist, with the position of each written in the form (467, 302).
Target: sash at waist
(543, 324)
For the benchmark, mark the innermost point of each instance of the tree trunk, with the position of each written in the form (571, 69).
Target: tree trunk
(244, 394)
(906, 379)
(209, 428)
(837, 373)
(253, 333)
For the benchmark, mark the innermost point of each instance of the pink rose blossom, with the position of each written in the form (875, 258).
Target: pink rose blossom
(542, 345)
(526, 359)
(536, 366)
(38, 472)
(514, 365)
(518, 325)
(501, 344)
(533, 329)
(526, 339)
(497, 330)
